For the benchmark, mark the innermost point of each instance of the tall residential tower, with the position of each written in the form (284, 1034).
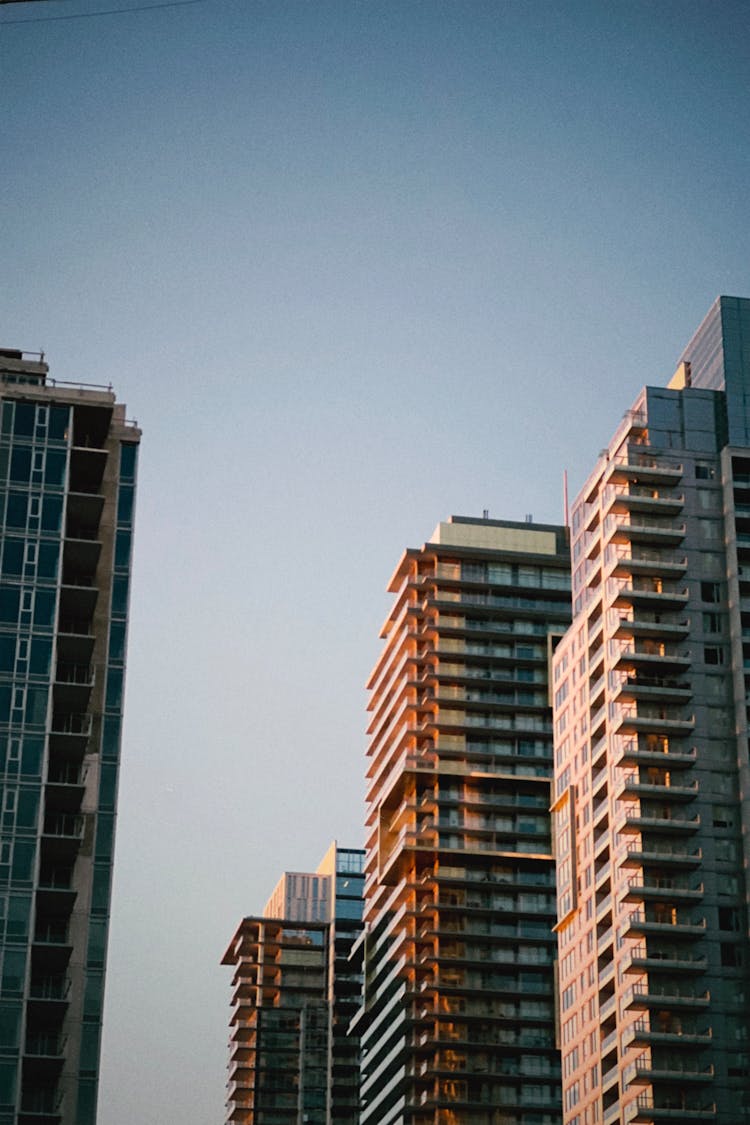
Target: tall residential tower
(458, 1023)
(67, 484)
(652, 774)
(294, 993)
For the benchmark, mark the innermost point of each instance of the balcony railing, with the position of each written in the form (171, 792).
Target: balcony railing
(653, 887)
(71, 723)
(674, 1109)
(75, 626)
(667, 960)
(50, 988)
(644, 995)
(665, 853)
(82, 674)
(669, 1031)
(45, 1045)
(66, 825)
(51, 934)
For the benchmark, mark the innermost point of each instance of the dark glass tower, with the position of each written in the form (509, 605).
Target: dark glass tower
(67, 484)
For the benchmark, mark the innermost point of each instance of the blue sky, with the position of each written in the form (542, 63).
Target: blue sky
(353, 267)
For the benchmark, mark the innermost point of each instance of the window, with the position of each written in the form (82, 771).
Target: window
(709, 531)
(712, 654)
(723, 816)
(708, 500)
(729, 918)
(710, 592)
(731, 955)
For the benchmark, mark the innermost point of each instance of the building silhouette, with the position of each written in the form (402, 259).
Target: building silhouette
(67, 484)
(291, 1061)
(652, 777)
(457, 1023)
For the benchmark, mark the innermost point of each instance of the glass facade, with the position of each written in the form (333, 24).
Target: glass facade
(719, 358)
(66, 457)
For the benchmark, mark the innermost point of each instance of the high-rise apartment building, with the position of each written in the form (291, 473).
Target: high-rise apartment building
(67, 484)
(652, 776)
(278, 1049)
(457, 1024)
(345, 869)
(294, 994)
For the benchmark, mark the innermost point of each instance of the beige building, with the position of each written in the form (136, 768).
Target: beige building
(651, 698)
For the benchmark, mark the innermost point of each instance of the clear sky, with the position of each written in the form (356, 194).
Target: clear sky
(354, 266)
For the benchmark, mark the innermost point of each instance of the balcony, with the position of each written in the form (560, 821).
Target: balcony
(55, 894)
(41, 1104)
(636, 855)
(623, 562)
(655, 690)
(67, 775)
(52, 947)
(670, 1032)
(647, 720)
(663, 755)
(673, 629)
(649, 597)
(644, 529)
(45, 1045)
(641, 996)
(70, 731)
(80, 555)
(661, 889)
(678, 1110)
(641, 959)
(664, 825)
(612, 1114)
(648, 660)
(644, 468)
(644, 1073)
(78, 597)
(53, 990)
(65, 788)
(73, 683)
(87, 468)
(661, 925)
(658, 786)
(606, 1009)
(646, 502)
(64, 826)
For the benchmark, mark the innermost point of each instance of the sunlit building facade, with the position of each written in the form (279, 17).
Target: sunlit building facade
(652, 777)
(294, 992)
(67, 485)
(457, 1023)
